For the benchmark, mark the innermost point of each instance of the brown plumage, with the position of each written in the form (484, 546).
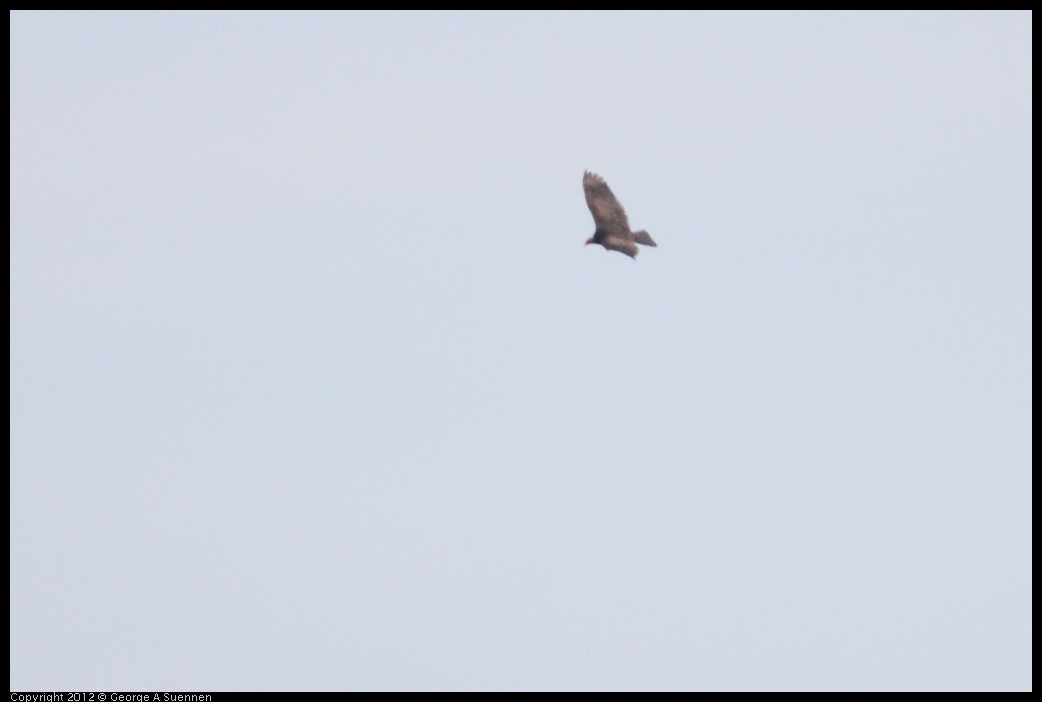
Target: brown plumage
(613, 228)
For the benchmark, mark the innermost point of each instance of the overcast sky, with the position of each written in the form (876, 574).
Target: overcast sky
(315, 386)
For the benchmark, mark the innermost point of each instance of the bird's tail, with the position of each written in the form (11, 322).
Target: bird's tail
(642, 237)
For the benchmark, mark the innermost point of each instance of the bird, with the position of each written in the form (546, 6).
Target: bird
(613, 228)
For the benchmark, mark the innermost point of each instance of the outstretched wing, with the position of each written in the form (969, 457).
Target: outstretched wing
(608, 214)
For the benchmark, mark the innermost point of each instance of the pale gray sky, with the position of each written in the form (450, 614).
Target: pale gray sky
(314, 385)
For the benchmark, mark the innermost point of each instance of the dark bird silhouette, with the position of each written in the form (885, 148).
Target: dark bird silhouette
(613, 228)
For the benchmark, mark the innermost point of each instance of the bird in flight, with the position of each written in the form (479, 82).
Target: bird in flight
(613, 228)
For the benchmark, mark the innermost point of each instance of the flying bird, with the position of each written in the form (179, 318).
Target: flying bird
(613, 228)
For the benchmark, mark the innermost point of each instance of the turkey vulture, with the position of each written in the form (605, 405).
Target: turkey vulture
(613, 229)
